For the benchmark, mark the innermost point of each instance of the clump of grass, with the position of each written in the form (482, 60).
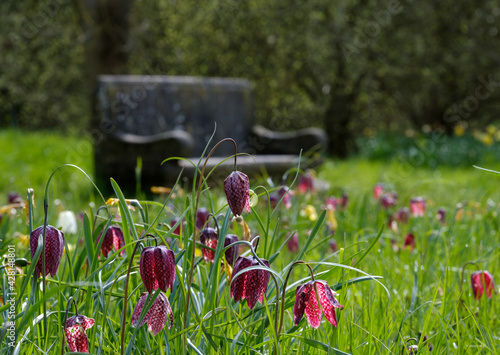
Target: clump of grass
(390, 293)
(27, 157)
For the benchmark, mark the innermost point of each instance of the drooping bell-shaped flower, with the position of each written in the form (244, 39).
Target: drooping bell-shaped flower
(388, 200)
(333, 245)
(209, 237)
(413, 350)
(54, 247)
(285, 193)
(293, 243)
(394, 244)
(306, 183)
(76, 337)
(306, 301)
(403, 215)
(13, 197)
(201, 217)
(378, 190)
(156, 316)
(417, 206)
(177, 230)
(113, 238)
(391, 222)
(157, 266)
(237, 189)
(482, 282)
(331, 203)
(441, 215)
(231, 253)
(409, 241)
(251, 285)
(343, 201)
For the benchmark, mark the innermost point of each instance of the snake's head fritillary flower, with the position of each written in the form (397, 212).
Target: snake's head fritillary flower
(306, 301)
(387, 200)
(232, 252)
(306, 183)
(285, 194)
(177, 230)
(293, 243)
(482, 281)
(441, 215)
(394, 244)
(54, 240)
(201, 217)
(113, 238)
(417, 206)
(156, 316)
(391, 222)
(237, 189)
(250, 285)
(409, 241)
(273, 200)
(13, 197)
(157, 266)
(331, 203)
(412, 349)
(403, 215)
(76, 337)
(343, 201)
(378, 190)
(209, 237)
(333, 245)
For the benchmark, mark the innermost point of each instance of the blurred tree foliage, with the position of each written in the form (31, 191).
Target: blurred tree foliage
(43, 79)
(349, 66)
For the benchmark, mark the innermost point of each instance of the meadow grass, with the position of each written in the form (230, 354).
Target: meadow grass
(28, 158)
(390, 293)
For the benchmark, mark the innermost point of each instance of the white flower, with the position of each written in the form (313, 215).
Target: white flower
(67, 221)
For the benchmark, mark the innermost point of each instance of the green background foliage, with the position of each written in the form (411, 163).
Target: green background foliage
(344, 65)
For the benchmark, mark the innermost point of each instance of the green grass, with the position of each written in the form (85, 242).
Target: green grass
(28, 158)
(444, 185)
(419, 291)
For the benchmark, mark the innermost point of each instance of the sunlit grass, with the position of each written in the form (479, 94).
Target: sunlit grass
(419, 291)
(27, 157)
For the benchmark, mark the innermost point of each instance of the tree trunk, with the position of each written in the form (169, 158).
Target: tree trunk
(336, 120)
(106, 24)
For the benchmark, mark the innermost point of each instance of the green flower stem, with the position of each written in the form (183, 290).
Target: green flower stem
(276, 319)
(45, 223)
(193, 253)
(44, 283)
(103, 207)
(125, 296)
(463, 273)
